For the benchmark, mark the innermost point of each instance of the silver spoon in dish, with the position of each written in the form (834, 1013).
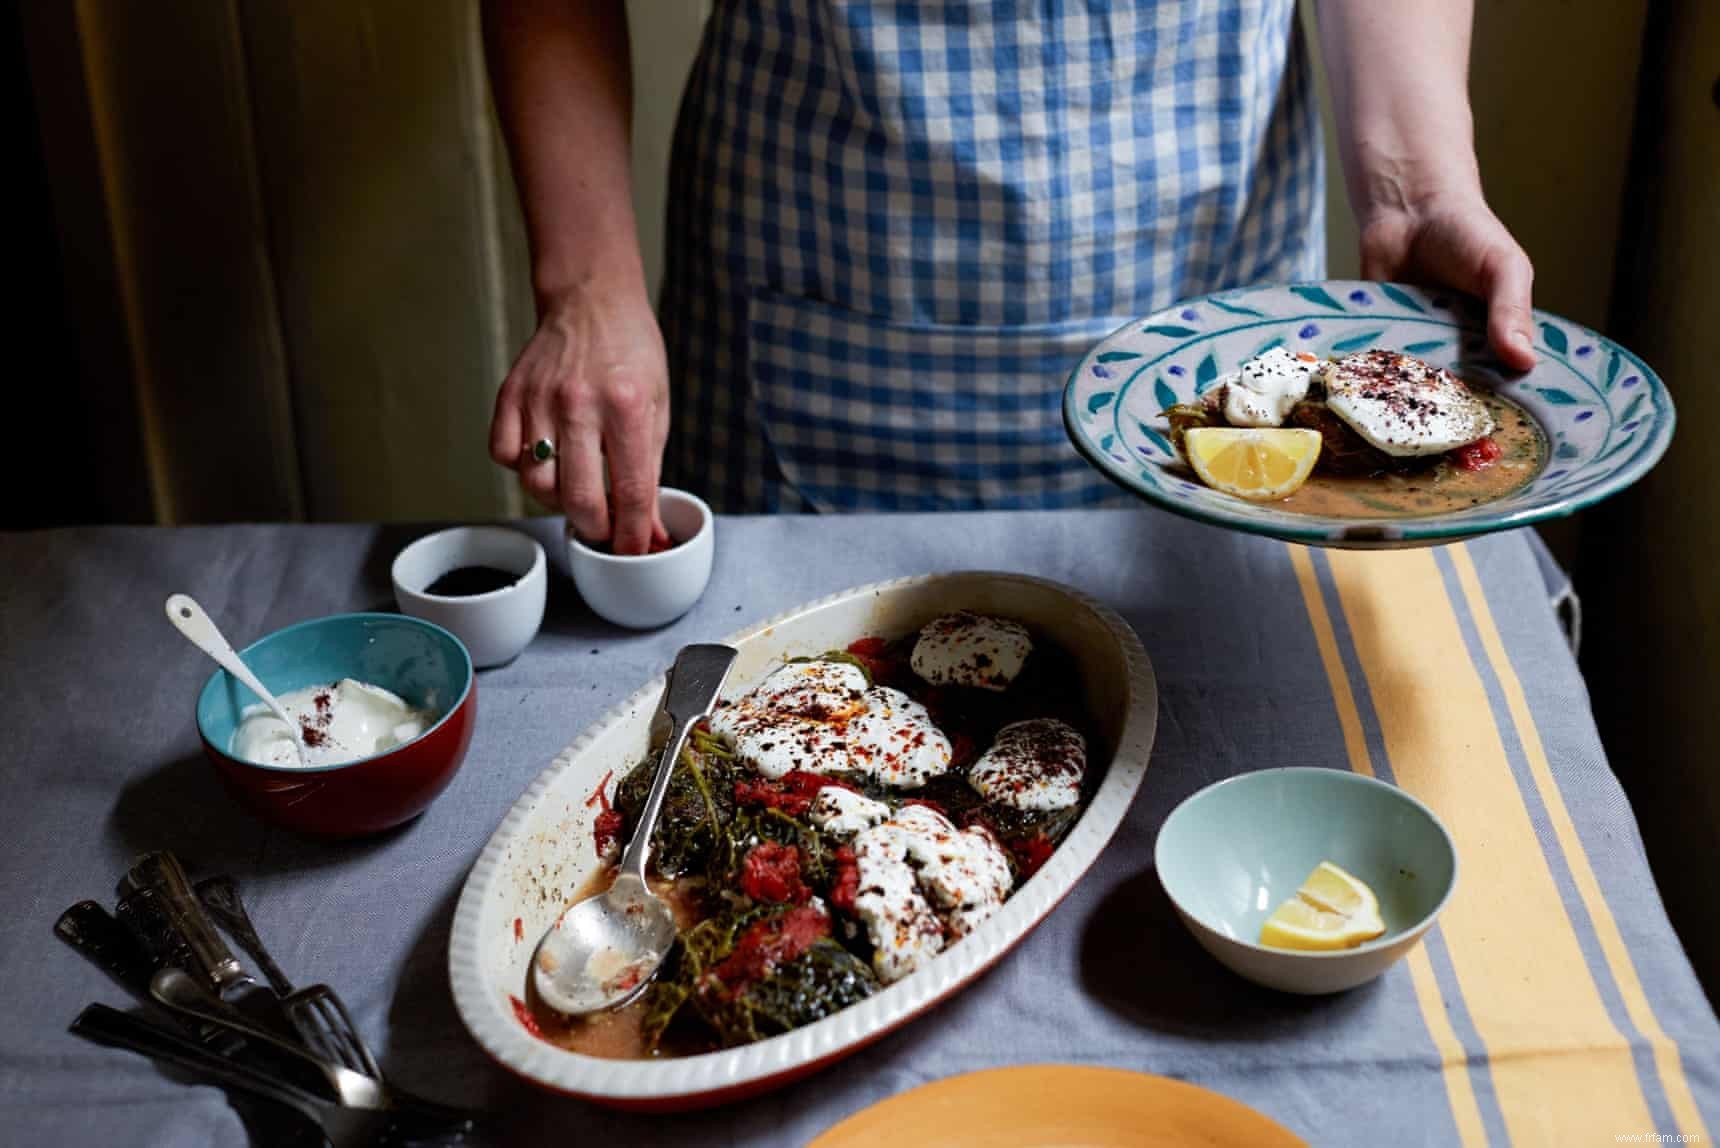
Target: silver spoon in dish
(603, 951)
(190, 619)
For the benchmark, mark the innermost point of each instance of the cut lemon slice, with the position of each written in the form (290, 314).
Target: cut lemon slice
(1257, 464)
(1332, 910)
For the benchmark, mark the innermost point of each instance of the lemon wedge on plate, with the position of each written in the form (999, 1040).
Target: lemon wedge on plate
(1332, 910)
(1260, 464)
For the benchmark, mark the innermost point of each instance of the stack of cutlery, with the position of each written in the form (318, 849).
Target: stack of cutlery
(295, 1051)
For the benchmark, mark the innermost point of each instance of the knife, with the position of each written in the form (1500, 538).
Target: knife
(221, 971)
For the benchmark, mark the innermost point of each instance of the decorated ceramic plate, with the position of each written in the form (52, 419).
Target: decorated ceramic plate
(1059, 1104)
(1598, 416)
(544, 852)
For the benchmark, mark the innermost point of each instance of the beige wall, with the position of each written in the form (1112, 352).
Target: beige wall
(1651, 556)
(388, 213)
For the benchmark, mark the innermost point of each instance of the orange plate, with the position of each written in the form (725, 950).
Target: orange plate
(1057, 1105)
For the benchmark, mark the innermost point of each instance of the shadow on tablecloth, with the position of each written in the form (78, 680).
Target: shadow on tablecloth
(1139, 961)
(182, 806)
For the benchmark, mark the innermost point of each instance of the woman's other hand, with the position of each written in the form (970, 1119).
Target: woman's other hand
(593, 381)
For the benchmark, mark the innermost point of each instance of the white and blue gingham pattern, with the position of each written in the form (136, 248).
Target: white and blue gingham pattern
(893, 227)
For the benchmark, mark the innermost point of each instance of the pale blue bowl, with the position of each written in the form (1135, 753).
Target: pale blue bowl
(1232, 853)
(1606, 415)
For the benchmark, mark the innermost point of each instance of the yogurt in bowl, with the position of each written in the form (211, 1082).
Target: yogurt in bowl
(338, 723)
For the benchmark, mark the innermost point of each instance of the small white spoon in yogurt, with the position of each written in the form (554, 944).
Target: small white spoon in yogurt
(189, 619)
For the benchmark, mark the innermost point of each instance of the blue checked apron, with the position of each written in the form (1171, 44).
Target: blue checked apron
(895, 227)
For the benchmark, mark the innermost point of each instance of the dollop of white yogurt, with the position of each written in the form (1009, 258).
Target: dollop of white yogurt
(1263, 390)
(968, 649)
(924, 884)
(342, 722)
(821, 717)
(843, 813)
(1034, 765)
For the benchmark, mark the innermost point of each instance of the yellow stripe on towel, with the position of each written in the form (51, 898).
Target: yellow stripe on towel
(1454, 1061)
(1562, 1073)
(1666, 1059)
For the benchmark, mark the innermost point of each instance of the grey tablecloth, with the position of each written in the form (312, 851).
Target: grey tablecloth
(99, 761)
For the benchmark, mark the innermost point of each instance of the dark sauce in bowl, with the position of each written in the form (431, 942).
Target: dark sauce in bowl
(467, 581)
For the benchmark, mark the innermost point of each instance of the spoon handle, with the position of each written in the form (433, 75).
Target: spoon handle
(694, 683)
(189, 619)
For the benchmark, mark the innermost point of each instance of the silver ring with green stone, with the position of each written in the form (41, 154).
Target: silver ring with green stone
(542, 450)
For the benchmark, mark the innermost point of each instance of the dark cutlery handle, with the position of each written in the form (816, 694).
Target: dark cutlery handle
(162, 872)
(100, 938)
(110, 1026)
(220, 897)
(146, 918)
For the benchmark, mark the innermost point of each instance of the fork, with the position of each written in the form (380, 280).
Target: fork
(317, 1013)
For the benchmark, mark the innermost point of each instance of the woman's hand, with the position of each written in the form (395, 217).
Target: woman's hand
(1399, 72)
(593, 380)
(1454, 240)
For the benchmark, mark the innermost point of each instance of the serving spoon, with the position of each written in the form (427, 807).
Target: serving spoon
(190, 619)
(603, 951)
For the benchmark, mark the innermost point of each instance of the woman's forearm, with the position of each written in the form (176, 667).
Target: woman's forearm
(562, 84)
(1399, 74)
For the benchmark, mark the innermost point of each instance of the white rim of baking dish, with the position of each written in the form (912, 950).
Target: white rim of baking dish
(490, 1018)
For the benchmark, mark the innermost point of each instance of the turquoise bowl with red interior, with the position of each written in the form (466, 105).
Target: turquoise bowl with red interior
(424, 664)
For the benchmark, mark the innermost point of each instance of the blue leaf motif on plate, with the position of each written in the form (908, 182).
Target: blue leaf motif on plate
(1424, 346)
(1566, 450)
(1276, 341)
(1163, 393)
(1118, 356)
(1154, 437)
(1554, 338)
(1106, 443)
(1357, 342)
(1557, 397)
(1613, 362)
(1205, 375)
(1630, 411)
(1174, 332)
(1317, 295)
(1401, 297)
(1621, 444)
(1236, 310)
(1100, 401)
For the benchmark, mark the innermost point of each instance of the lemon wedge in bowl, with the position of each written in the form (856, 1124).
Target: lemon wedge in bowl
(1260, 464)
(1332, 910)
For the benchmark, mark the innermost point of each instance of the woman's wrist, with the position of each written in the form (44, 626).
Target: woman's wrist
(616, 281)
(1403, 165)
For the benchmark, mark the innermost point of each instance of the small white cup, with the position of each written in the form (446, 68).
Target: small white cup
(644, 591)
(495, 626)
